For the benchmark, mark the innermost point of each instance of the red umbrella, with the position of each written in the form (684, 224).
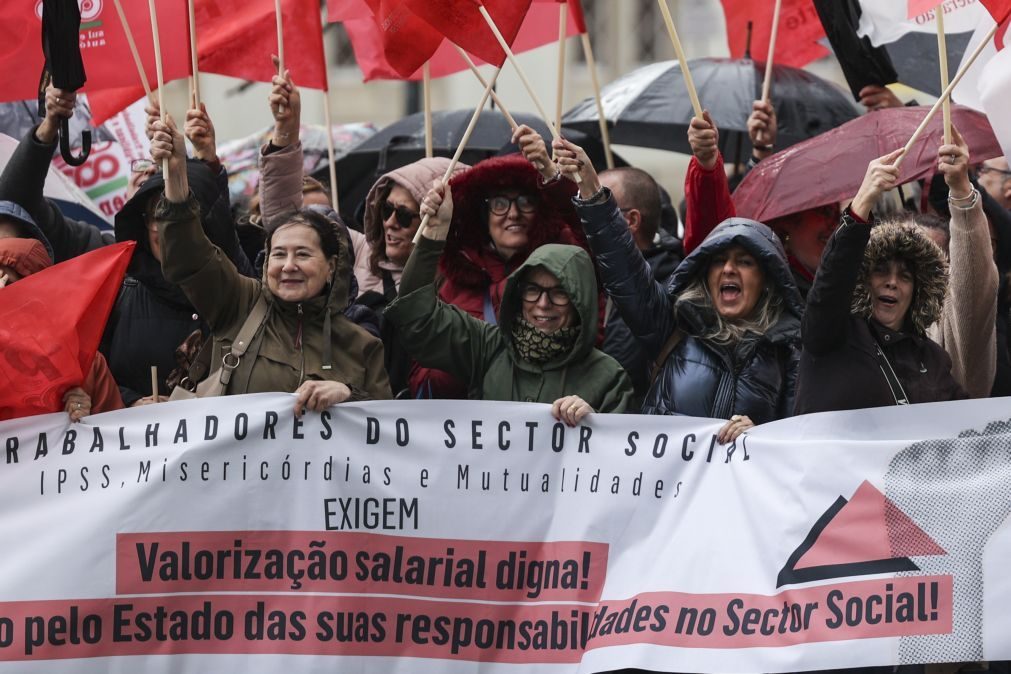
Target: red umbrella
(829, 168)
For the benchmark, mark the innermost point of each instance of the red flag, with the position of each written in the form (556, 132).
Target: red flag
(999, 9)
(918, 7)
(107, 58)
(108, 103)
(577, 20)
(799, 31)
(347, 10)
(50, 325)
(461, 22)
(540, 27)
(237, 37)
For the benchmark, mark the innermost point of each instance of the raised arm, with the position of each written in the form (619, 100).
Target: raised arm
(211, 282)
(642, 302)
(281, 159)
(967, 329)
(826, 319)
(707, 191)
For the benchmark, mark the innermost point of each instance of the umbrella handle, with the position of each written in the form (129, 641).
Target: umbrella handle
(65, 144)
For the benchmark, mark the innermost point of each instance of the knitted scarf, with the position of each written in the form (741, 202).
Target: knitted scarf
(539, 347)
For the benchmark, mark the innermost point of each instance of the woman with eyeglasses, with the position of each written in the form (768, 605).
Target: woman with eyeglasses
(541, 348)
(506, 207)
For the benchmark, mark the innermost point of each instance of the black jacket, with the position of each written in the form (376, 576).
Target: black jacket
(700, 378)
(619, 343)
(840, 368)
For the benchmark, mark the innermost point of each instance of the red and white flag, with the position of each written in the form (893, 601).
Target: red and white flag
(800, 36)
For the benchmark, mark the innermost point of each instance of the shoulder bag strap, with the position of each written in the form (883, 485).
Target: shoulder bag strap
(231, 360)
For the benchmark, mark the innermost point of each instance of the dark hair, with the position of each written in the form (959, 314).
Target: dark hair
(326, 230)
(641, 192)
(930, 221)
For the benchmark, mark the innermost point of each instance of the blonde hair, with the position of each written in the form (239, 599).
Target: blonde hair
(722, 331)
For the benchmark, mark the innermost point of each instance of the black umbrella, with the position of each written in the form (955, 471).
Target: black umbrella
(649, 107)
(403, 142)
(61, 34)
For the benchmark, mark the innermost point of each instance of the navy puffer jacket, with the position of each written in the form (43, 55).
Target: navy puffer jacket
(755, 377)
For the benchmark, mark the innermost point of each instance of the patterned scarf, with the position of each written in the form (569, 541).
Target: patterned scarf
(538, 347)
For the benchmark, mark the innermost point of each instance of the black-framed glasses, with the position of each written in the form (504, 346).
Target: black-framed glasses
(500, 205)
(531, 292)
(405, 216)
(144, 165)
(992, 169)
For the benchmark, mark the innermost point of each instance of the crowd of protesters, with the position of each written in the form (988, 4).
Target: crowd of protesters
(534, 279)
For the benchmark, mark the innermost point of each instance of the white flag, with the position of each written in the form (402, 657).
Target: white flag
(968, 90)
(885, 21)
(995, 91)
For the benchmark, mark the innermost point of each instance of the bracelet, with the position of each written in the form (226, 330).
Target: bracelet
(553, 179)
(594, 198)
(972, 199)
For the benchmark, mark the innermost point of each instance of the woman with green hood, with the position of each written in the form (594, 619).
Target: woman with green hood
(541, 350)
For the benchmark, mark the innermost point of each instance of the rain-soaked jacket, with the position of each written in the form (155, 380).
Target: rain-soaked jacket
(483, 356)
(754, 377)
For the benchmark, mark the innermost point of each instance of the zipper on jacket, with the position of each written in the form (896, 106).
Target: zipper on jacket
(298, 345)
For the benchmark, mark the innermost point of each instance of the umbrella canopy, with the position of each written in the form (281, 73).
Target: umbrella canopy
(830, 168)
(61, 43)
(649, 107)
(403, 142)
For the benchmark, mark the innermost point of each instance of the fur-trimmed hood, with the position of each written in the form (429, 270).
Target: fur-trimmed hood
(469, 241)
(930, 272)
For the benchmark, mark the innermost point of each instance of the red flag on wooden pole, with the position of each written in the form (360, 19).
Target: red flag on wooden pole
(798, 20)
(461, 22)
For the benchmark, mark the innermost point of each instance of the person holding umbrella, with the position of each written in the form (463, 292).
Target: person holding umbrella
(724, 334)
(879, 289)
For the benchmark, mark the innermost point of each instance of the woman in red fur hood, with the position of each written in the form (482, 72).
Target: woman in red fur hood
(505, 209)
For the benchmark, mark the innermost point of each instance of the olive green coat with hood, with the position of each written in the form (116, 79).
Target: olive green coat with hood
(442, 336)
(311, 340)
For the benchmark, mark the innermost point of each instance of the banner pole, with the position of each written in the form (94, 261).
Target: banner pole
(154, 382)
(484, 83)
(682, 59)
(463, 143)
(158, 70)
(278, 19)
(767, 83)
(195, 78)
(331, 155)
(563, 20)
(427, 96)
(946, 94)
(605, 134)
(133, 48)
(942, 58)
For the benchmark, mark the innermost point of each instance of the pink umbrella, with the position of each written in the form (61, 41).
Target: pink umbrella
(829, 168)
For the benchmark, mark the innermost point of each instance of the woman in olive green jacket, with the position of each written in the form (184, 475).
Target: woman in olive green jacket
(304, 343)
(541, 350)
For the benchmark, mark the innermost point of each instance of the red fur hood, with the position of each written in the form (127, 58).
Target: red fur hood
(469, 242)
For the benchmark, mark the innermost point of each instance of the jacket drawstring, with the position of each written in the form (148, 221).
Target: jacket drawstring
(327, 342)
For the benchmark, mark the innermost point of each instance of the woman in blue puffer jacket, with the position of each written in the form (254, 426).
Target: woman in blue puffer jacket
(724, 333)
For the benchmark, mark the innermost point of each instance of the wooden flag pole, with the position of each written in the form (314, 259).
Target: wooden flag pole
(523, 78)
(463, 143)
(154, 382)
(480, 78)
(280, 43)
(946, 94)
(427, 96)
(158, 71)
(331, 155)
(133, 48)
(563, 21)
(682, 59)
(767, 83)
(942, 58)
(605, 134)
(195, 77)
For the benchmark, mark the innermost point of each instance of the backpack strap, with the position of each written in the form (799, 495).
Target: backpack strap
(668, 348)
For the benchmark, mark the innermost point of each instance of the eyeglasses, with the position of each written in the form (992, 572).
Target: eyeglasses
(531, 292)
(405, 217)
(501, 204)
(144, 165)
(991, 169)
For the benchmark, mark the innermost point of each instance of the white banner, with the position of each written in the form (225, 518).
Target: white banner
(461, 537)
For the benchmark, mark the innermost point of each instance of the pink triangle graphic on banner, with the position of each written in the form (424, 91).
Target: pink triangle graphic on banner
(868, 528)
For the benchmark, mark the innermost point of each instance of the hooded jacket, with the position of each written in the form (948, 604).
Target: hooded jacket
(483, 355)
(840, 367)
(372, 267)
(755, 377)
(153, 316)
(310, 340)
(473, 273)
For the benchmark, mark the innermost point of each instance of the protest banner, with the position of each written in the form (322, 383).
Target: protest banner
(449, 536)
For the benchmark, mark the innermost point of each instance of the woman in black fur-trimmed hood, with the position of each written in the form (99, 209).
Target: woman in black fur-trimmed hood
(878, 289)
